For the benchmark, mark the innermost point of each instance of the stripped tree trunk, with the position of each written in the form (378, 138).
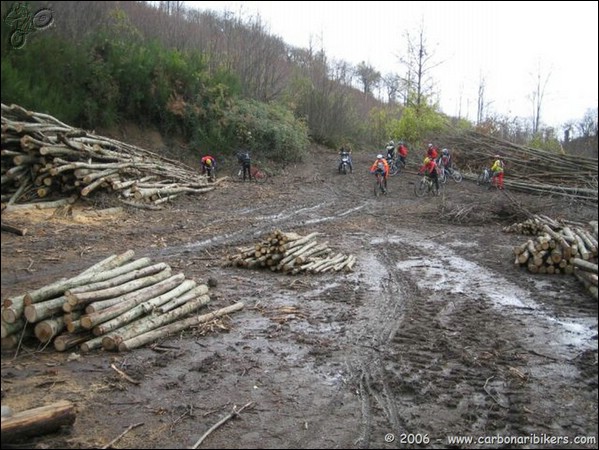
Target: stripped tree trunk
(151, 336)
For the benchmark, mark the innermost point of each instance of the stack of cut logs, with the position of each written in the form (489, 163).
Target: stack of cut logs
(118, 304)
(291, 253)
(43, 158)
(559, 247)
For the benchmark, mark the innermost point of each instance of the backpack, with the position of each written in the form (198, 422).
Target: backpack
(244, 157)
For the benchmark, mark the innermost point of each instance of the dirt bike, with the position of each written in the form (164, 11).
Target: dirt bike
(425, 186)
(379, 184)
(344, 165)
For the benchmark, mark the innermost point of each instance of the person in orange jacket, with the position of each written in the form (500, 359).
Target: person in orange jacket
(381, 165)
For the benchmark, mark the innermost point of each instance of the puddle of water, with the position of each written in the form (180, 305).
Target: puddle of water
(451, 273)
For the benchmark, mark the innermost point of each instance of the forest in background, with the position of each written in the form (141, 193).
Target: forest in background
(224, 82)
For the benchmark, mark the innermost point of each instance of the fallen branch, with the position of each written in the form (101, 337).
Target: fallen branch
(229, 416)
(120, 436)
(124, 375)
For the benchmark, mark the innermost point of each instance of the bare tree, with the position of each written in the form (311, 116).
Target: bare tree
(368, 76)
(587, 126)
(392, 84)
(537, 99)
(482, 106)
(419, 62)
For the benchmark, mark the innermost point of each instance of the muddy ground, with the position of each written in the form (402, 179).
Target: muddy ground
(436, 334)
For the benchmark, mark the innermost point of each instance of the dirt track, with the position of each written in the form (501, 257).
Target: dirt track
(435, 334)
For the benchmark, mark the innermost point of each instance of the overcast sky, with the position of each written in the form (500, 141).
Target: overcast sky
(507, 43)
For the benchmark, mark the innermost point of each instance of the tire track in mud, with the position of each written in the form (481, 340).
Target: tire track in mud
(443, 357)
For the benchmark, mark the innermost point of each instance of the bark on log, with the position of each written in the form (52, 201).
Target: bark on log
(143, 308)
(12, 313)
(131, 300)
(12, 328)
(47, 329)
(39, 311)
(585, 265)
(60, 287)
(151, 322)
(66, 341)
(37, 421)
(196, 292)
(117, 281)
(85, 298)
(175, 327)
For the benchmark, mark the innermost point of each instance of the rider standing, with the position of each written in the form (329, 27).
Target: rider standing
(429, 168)
(381, 166)
(390, 150)
(445, 160)
(497, 169)
(432, 152)
(243, 157)
(402, 151)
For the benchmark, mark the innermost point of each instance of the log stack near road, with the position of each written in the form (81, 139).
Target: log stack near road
(118, 304)
(559, 247)
(291, 253)
(45, 159)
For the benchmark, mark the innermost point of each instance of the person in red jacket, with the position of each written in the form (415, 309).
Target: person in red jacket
(402, 151)
(208, 164)
(432, 152)
(429, 168)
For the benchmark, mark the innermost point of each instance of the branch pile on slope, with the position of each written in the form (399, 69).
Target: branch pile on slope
(119, 303)
(558, 247)
(291, 253)
(527, 169)
(43, 158)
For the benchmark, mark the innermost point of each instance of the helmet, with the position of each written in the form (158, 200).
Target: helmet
(497, 156)
(430, 145)
(445, 151)
(427, 160)
(400, 143)
(379, 156)
(209, 162)
(391, 143)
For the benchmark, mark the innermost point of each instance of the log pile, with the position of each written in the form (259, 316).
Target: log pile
(45, 159)
(291, 253)
(118, 304)
(558, 247)
(527, 169)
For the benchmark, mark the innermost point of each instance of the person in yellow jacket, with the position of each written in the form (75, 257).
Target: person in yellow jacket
(497, 169)
(381, 165)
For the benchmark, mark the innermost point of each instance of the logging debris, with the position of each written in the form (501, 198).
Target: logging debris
(558, 247)
(44, 159)
(291, 253)
(120, 303)
(527, 169)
